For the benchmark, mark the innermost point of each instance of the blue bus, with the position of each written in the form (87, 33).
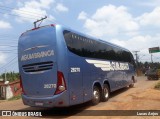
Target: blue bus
(61, 67)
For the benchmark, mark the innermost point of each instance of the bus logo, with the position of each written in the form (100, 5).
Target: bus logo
(36, 67)
(109, 65)
(36, 55)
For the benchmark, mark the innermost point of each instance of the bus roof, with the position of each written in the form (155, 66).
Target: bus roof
(85, 35)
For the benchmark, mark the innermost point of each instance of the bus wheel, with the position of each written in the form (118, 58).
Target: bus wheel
(131, 85)
(96, 96)
(105, 93)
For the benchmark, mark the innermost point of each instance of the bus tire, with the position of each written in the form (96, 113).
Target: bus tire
(95, 95)
(131, 85)
(105, 93)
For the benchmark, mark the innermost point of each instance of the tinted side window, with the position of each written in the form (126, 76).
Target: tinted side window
(87, 47)
(73, 44)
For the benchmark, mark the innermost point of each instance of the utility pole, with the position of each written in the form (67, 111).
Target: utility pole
(5, 78)
(136, 54)
(151, 58)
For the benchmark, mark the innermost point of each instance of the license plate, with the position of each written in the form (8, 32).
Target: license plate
(38, 103)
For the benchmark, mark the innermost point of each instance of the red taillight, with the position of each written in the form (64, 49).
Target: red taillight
(61, 84)
(35, 28)
(21, 85)
(53, 25)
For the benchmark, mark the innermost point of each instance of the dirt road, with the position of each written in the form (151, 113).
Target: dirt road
(141, 97)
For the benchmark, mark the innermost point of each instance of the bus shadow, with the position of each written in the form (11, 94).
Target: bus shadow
(117, 92)
(62, 112)
(76, 110)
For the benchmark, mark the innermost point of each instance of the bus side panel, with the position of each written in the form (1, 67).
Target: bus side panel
(87, 83)
(115, 79)
(120, 81)
(75, 80)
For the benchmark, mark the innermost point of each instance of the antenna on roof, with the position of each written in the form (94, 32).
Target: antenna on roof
(40, 20)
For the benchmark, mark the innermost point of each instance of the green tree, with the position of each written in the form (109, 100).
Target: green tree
(10, 76)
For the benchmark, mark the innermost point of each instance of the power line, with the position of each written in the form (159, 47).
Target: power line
(24, 12)
(8, 46)
(19, 14)
(15, 39)
(31, 18)
(8, 63)
(9, 50)
(8, 41)
(7, 35)
(13, 67)
(11, 8)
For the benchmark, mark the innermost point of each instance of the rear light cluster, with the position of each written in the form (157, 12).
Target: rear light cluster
(61, 84)
(42, 26)
(35, 28)
(53, 25)
(21, 85)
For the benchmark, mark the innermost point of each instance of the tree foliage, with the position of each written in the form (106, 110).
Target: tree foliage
(147, 65)
(10, 76)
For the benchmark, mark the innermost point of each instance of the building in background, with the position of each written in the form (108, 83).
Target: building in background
(9, 89)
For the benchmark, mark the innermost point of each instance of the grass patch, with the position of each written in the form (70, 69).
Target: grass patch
(157, 86)
(15, 98)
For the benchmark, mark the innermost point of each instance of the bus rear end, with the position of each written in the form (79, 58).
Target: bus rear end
(42, 84)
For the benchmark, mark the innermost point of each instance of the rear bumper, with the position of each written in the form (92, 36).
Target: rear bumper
(60, 100)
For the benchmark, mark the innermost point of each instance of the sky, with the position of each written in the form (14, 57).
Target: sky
(134, 25)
